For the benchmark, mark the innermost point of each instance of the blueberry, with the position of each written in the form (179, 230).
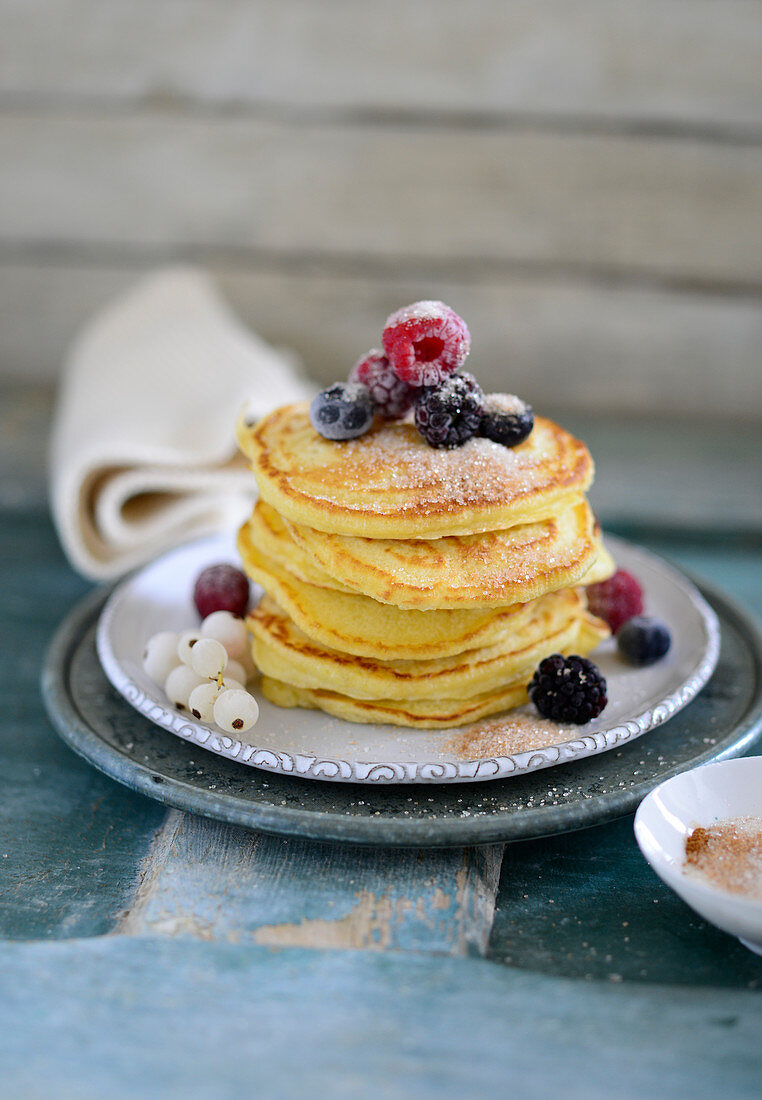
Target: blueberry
(643, 640)
(507, 425)
(343, 411)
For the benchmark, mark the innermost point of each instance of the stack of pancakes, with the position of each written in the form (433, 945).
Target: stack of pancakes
(415, 586)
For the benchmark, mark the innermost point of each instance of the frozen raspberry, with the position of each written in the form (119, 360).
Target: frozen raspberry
(391, 396)
(425, 342)
(506, 419)
(643, 640)
(448, 415)
(221, 588)
(568, 689)
(343, 411)
(616, 600)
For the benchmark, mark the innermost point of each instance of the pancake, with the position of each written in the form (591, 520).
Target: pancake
(490, 569)
(390, 484)
(559, 622)
(428, 714)
(357, 624)
(268, 532)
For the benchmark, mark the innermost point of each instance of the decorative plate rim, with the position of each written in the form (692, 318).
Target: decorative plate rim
(309, 766)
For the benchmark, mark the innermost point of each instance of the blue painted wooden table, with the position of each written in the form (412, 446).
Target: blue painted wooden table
(153, 953)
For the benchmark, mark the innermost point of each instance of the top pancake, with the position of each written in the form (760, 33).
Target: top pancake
(391, 484)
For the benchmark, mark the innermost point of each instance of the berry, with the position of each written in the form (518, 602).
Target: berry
(236, 711)
(185, 644)
(425, 342)
(390, 395)
(221, 588)
(179, 684)
(643, 640)
(568, 689)
(228, 629)
(208, 658)
(448, 415)
(506, 420)
(161, 655)
(616, 600)
(343, 411)
(203, 697)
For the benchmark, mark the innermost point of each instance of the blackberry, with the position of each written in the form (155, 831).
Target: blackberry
(506, 420)
(448, 415)
(643, 640)
(568, 689)
(342, 411)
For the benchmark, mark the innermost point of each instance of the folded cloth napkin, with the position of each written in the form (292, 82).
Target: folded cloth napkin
(143, 453)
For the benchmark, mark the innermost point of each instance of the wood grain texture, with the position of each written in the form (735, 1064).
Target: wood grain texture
(654, 60)
(576, 344)
(686, 210)
(70, 839)
(212, 881)
(121, 1018)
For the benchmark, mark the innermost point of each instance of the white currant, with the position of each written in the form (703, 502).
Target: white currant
(160, 655)
(235, 711)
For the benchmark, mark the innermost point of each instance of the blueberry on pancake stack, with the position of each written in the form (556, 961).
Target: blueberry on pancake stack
(422, 546)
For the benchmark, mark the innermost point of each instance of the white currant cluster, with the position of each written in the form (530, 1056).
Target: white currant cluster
(206, 670)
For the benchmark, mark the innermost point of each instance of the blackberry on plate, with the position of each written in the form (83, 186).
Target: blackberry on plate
(643, 640)
(506, 420)
(425, 342)
(342, 411)
(568, 689)
(449, 414)
(616, 600)
(391, 396)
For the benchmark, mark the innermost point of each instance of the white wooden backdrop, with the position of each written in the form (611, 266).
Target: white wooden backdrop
(582, 180)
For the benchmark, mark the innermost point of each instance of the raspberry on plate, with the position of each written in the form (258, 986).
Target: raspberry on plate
(643, 640)
(391, 396)
(568, 689)
(448, 415)
(616, 600)
(342, 411)
(425, 342)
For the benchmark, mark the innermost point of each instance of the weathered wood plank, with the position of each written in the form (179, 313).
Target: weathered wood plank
(610, 59)
(578, 345)
(71, 840)
(679, 210)
(123, 1018)
(213, 881)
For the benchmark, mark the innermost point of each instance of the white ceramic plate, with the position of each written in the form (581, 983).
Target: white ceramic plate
(314, 745)
(716, 792)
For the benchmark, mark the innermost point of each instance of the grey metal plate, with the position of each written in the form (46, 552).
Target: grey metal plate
(723, 721)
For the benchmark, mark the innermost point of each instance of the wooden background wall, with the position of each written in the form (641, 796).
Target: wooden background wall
(582, 180)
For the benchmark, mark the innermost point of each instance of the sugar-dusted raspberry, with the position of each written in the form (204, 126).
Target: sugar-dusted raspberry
(448, 415)
(568, 689)
(425, 342)
(616, 600)
(391, 396)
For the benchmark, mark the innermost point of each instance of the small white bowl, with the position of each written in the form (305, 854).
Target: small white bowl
(704, 796)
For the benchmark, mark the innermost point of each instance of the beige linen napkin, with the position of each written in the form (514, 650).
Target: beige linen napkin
(143, 454)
